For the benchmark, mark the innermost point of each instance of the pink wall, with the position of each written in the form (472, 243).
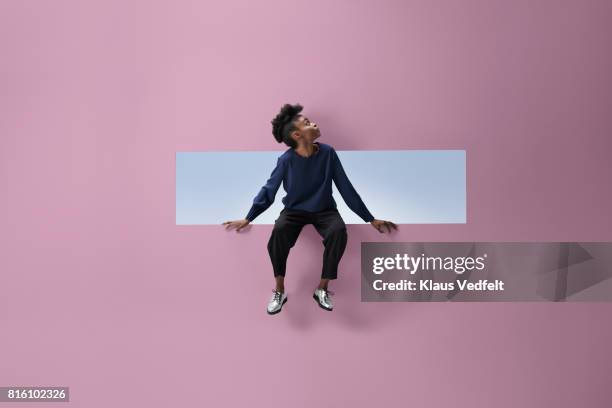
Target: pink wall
(101, 291)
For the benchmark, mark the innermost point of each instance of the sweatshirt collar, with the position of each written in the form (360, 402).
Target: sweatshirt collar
(316, 150)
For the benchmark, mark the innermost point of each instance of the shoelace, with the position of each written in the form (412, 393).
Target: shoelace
(277, 295)
(327, 293)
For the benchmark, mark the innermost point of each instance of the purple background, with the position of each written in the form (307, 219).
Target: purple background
(102, 292)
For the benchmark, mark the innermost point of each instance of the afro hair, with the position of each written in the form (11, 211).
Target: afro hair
(282, 124)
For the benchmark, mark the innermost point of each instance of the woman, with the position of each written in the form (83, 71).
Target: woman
(306, 170)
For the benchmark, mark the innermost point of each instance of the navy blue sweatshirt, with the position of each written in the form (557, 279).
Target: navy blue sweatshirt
(308, 183)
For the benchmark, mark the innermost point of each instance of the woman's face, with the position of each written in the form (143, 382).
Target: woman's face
(308, 130)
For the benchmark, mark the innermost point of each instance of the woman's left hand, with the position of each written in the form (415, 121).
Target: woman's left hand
(381, 224)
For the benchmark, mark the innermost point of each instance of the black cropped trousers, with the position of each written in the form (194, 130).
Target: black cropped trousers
(287, 227)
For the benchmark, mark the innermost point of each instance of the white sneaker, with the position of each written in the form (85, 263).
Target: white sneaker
(276, 302)
(322, 297)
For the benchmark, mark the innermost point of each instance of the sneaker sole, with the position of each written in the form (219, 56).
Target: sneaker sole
(281, 308)
(319, 303)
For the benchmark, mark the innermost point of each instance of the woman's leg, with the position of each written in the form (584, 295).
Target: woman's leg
(287, 228)
(330, 225)
(280, 283)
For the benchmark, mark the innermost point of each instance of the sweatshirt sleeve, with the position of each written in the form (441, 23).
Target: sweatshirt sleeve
(349, 194)
(265, 197)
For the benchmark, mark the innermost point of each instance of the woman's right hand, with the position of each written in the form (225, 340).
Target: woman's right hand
(238, 224)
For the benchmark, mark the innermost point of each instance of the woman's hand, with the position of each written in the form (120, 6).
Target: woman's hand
(238, 224)
(381, 224)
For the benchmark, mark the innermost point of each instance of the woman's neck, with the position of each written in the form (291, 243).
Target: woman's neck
(307, 150)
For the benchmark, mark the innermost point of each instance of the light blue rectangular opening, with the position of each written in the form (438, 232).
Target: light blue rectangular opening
(403, 186)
